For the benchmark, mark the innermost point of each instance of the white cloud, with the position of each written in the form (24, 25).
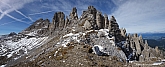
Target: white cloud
(41, 12)
(66, 6)
(17, 4)
(141, 15)
(8, 6)
(10, 22)
(6, 13)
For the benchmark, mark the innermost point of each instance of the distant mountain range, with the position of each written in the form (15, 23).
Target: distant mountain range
(155, 39)
(154, 36)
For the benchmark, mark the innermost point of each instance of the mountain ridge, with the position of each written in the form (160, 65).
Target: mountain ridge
(93, 34)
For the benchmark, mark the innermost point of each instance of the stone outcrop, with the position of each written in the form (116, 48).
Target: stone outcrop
(123, 32)
(66, 22)
(99, 20)
(58, 20)
(92, 10)
(12, 34)
(113, 26)
(103, 45)
(90, 16)
(73, 14)
(87, 25)
(114, 29)
(106, 24)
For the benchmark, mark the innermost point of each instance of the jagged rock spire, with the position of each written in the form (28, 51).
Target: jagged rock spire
(123, 32)
(106, 21)
(145, 45)
(92, 10)
(113, 19)
(59, 19)
(114, 28)
(99, 20)
(73, 14)
(66, 21)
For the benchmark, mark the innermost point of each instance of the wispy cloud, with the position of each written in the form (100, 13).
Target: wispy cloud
(14, 9)
(24, 15)
(41, 12)
(5, 13)
(10, 22)
(140, 15)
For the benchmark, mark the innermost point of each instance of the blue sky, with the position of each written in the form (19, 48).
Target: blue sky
(137, 16)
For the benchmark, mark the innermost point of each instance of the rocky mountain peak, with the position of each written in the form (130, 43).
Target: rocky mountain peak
(73, 14)
(92, 9)
(12, 34)
(39, 27)
(58, 20)
(113, 19)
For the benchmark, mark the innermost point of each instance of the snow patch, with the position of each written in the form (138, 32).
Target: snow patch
(9, 55)
(3, 65)
(123, 42)
(55, 53)
(70, 34)
(163, 60)
(100, 47)
(73, 30)
(157, 63)
(69, 37)
(24, 44)
(131, 61)
(32, 33)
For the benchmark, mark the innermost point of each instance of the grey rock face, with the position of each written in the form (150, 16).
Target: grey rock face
(58, 20)
(114, 29)
(137, 45)
(103, 44)
(66, 22)
(106, 22)
(89, 15)
(92, 10)
(73, 14)
(87, 25)
(123, 32)
(12, 34)
(111, 50)
(99, 20)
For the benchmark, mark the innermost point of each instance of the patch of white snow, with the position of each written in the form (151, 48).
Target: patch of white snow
(157, 63)
(3, 65)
